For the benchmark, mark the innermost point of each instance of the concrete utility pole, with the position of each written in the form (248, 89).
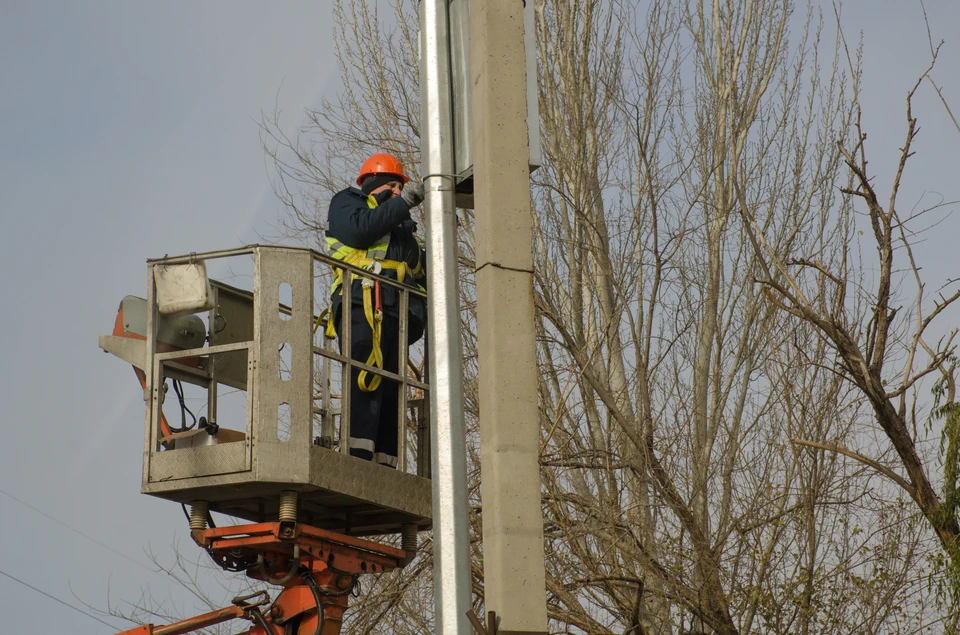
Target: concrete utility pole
(513, 564)
(452, 580)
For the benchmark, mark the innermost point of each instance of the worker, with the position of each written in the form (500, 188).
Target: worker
(371, 228)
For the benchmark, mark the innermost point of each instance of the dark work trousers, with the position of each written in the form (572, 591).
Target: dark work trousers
(373, 415)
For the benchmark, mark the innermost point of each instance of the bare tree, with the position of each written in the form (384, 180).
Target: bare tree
(879, 328)
(206, 587)
(669, 381)
(696, 276)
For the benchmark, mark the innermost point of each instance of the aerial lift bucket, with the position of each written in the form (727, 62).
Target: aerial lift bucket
(322, 500)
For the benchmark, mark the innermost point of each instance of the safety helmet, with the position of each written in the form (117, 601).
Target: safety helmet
(382, 163)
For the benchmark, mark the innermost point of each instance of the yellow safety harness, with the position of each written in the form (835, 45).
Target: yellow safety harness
(373, 260)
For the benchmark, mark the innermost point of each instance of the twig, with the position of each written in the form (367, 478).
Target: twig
(893, 476)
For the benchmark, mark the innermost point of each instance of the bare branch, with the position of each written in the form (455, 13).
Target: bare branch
(893, 476)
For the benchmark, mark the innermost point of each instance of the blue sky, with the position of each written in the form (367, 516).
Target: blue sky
(128, 130)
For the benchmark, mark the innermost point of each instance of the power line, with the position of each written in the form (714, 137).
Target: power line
(30, 586)
(77, 531)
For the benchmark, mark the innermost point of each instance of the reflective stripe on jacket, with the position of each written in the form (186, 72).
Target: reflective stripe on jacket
(360, 231)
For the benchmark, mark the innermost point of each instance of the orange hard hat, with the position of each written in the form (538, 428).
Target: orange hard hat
(382, 163)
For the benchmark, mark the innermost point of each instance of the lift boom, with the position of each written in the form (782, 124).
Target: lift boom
(317, 570)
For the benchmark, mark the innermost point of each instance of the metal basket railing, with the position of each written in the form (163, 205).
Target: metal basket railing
(247, 328)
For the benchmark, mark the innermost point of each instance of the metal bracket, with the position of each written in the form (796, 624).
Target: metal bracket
(493, 623)
(241, 600)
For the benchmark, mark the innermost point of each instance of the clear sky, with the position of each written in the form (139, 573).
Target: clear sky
(128, 130)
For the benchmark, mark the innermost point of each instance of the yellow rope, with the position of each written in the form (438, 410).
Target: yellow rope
(375, 320)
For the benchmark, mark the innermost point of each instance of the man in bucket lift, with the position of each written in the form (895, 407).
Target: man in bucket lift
(371, 228)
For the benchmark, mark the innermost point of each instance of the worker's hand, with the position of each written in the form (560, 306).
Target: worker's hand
(409, 226)
(383, 197)
(412, 193)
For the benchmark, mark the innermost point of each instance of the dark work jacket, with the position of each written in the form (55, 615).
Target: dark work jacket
(354, 223)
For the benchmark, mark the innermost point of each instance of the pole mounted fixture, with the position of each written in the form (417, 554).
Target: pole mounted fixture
(461, 85)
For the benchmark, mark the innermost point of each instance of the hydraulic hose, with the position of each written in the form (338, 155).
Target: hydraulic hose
(259, 619)
(315, 589)
(295, 560)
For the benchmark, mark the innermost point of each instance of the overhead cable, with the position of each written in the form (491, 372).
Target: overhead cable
(77, 531)
(30, 586)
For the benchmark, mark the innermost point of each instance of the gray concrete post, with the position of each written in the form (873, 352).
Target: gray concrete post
(513, 562)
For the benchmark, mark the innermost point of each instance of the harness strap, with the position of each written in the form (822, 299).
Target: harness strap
(375, 320)
(374, 260)
(359, 259)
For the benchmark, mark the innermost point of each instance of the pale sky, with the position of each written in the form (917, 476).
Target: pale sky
(127, 131)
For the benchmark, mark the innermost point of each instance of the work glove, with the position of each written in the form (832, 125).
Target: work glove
(409, 226)
(412, 193)
(383, 196)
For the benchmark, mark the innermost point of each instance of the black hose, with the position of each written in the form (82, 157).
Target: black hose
(354, 584)
(259, 619)
(315, 589)
(184, 411)
(222, 565)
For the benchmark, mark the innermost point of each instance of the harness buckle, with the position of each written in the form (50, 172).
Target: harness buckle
(375, 267)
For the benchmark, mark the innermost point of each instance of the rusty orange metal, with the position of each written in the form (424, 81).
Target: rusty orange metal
(297, 601)
(201, 621)
(333, 561)
(190, 624)
(347, 554)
